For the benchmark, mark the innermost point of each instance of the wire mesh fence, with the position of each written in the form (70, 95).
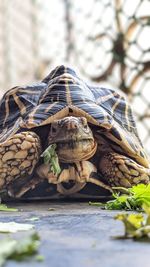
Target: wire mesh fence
(107, 42)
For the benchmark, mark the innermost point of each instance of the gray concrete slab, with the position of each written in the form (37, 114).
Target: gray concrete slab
(78, 235)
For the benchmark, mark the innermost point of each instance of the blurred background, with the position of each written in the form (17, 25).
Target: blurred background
(106, 41)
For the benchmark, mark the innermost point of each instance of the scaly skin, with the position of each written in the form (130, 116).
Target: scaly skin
(74, 139)
(18, 157)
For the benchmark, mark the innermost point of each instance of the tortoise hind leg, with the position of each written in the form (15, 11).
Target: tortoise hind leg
(120, 170)
(18, 157)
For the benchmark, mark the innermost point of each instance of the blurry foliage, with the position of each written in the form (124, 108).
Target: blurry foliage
(106, 41)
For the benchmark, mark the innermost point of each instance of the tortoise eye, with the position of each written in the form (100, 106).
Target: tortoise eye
(84, 121)
(86, 128)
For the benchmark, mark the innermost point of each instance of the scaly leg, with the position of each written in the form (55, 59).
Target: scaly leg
(119, 170)
(18, 157)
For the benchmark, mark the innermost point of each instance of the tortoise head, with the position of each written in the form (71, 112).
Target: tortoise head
(74, 139)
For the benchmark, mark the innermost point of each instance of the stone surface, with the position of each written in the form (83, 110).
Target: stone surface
(77, 235)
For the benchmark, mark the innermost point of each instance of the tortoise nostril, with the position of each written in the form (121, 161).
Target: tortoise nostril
(75, 125)
(71, 125)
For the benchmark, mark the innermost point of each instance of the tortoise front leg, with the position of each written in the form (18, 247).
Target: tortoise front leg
(119, 170)
(18, 157)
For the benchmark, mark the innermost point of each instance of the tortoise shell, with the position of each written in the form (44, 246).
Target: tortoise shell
(62, 93)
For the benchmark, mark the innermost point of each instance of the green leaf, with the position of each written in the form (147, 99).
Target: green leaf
(3, 207)
(136, 225)
(121, 189)
(146, 208)
(18, 250)
(129, 227)
(7, 247)
(13, 227)
(142, 234)
(141, 193)
(51, 158)
(120, 202)
(132, 198)
(131, 222)
(136, 220)
(39, 258)
(26, 247)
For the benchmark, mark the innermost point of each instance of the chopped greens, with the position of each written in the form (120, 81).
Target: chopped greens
(131, 199)
(51, 158)
(13, 227)
(19, 250)
(3, 207)
(39, 257)
(136, 225)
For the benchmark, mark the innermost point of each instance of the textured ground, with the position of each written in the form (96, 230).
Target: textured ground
(78, 235)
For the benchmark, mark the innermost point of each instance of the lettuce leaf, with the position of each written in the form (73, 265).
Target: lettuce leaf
(3, 207)
(136, 226)
(131, 199)
(51, 158)
(18, 250)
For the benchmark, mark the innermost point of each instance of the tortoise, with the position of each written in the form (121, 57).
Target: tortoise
(94, 131)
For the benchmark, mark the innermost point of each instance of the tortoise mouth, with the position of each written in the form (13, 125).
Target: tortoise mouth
(76, 150)
(73, 143)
